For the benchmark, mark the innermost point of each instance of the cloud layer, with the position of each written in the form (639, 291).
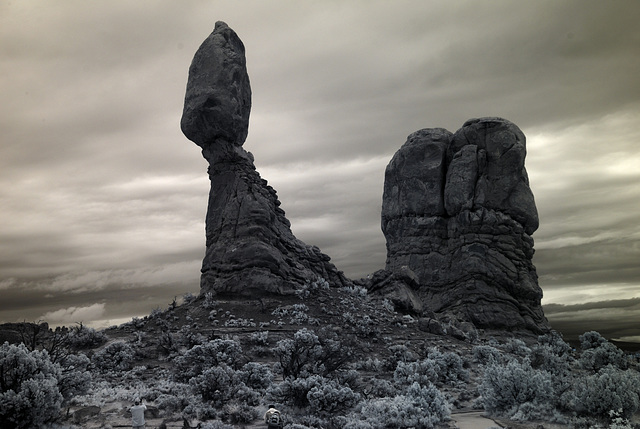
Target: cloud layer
(102, 196)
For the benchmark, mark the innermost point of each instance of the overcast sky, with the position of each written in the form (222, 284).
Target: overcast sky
(102, 199)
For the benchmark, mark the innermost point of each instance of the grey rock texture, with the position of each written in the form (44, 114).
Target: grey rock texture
(398, 287)
(250, 249)
(458, 211)
(218, 98)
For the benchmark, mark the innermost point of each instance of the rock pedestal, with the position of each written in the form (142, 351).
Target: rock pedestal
(458, 212)
(250, 249)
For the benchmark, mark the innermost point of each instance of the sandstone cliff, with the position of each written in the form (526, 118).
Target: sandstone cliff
(458, 212)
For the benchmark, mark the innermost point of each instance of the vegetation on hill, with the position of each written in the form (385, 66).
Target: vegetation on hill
(327, 357)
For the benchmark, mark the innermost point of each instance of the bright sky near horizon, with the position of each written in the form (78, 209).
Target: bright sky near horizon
(103, 199)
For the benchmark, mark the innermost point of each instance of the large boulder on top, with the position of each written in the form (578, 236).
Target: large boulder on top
(218, 97)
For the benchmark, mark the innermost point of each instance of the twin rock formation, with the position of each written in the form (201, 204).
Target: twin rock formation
(457, 210)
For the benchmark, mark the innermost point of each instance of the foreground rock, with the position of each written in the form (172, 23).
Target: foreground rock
(250, 248)
(458, 212)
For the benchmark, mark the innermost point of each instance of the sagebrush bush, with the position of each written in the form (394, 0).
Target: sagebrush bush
(29, 393)
(450, 366)
(82, 337)
(555, 342)
(239, 413)
(217, 383)
(597, 353)
(610, 389)
(330, 396)
(220, 384)
(379, 388)
(256, 375)
(115, 356)
(438, 367)
(545, 357)
(517, 347)
(75, 378)
(260, 338)
(486, 355)
(506, 387)
(419, 407)
(293, 391)
(202, 356)
(311, 353)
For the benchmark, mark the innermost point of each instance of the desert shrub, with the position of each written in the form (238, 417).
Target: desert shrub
(256, 375)
(506, 387)
(597, 353)
(591, 340)
(260, 338)
(308, 353)
(167, 344)
(216, 384)
(190, 337)
(201, 356)
(545, 357)
(517, 347)
(239, 413)
(555, 342)
(220, 384)
(419, 407)
(486, 355)
(297, 314)
(81, 337)
(422, 372)
(170, 403)
(188, 298)
(330, 396)
(370, 364)
(349, 378)
(312, 288)
(299, 353)
(201, 411)
(293, 391)
(610, 389)
(319, 393)
(75, 377)
(438, 367)
(367, 327)
(450, 366)
(380, 388)
(115, 356)
(29, 393)
(399, 353)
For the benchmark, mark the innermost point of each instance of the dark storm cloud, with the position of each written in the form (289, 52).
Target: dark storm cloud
(99, 189)
(617, 319)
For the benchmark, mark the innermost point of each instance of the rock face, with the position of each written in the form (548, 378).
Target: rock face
(458, 212)
(250, 249)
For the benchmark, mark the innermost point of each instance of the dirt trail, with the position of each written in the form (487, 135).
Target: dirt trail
(473, 420)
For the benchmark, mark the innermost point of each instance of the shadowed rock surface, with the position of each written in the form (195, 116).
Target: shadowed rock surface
(250, 248)
(458, 212)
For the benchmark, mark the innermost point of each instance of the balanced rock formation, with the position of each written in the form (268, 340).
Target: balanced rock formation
(458, 212)
(250, 249)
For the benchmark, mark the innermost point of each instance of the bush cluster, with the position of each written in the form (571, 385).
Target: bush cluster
(419, 407)
(115, 356)
(33, 388)
(549, 380)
